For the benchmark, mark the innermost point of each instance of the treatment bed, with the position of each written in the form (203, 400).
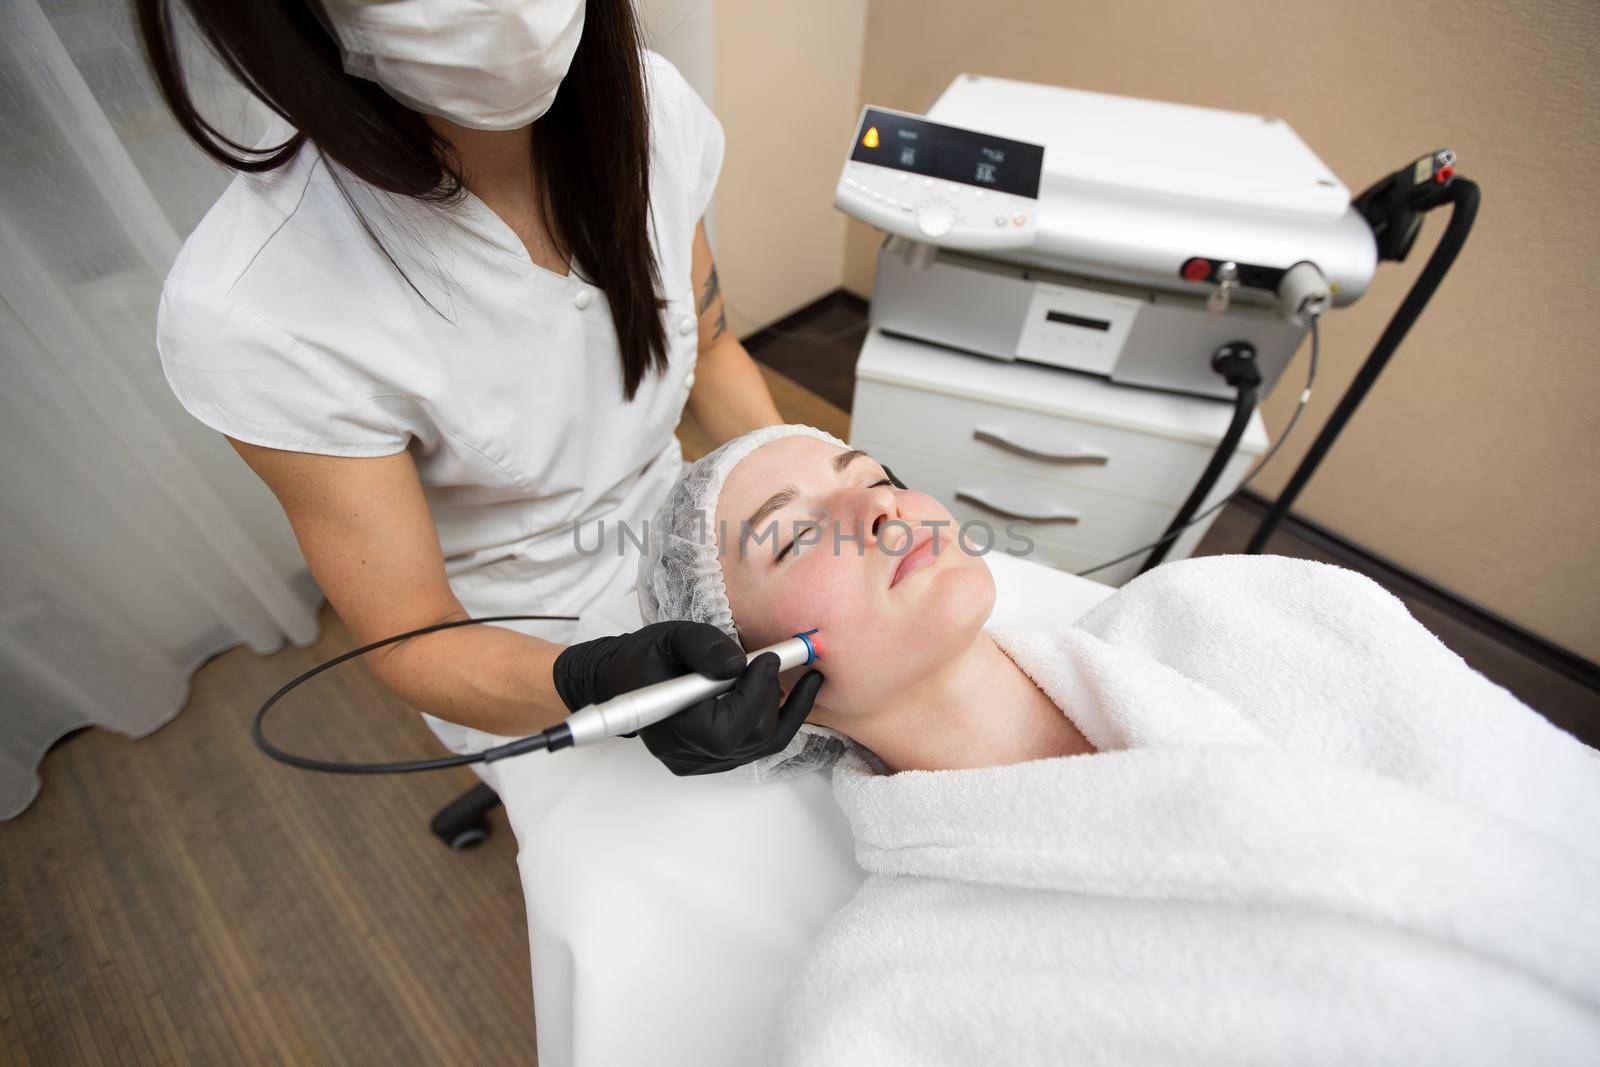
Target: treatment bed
(667, 914)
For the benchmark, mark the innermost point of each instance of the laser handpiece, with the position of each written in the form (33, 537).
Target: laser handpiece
(630, 712)
(622, 714)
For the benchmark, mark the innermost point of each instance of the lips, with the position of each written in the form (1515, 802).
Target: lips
(921, 555)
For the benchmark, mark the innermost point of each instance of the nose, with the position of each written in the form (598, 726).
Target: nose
(871, 511)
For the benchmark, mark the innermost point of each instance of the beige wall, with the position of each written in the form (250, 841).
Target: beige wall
(1475, 461)
(788, 78)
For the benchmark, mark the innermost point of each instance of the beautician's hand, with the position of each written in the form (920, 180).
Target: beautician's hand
(747, 722)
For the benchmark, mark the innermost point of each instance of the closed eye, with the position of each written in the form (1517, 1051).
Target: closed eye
(785, 550)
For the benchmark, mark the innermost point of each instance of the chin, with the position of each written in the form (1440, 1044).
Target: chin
(961, 596)
(948, 613)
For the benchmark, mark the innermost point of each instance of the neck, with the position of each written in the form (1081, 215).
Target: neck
(497, 165)
(980, 710)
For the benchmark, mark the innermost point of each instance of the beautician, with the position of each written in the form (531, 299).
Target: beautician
(451, 312)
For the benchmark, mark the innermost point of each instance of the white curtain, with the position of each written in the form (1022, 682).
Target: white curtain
(134, 543)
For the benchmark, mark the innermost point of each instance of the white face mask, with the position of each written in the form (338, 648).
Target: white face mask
(486, 64)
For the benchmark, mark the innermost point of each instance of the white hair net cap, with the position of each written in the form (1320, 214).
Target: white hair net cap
(680, 579)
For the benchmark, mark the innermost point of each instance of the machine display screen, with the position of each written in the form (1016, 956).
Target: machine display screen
(904, 142)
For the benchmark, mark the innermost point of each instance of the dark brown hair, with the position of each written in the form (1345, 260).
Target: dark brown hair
(595, 190)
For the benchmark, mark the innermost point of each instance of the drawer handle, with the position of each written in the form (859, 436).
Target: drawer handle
(1049, 513)
(1011, 442)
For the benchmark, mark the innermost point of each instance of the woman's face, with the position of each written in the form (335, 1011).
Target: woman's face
(811, 535)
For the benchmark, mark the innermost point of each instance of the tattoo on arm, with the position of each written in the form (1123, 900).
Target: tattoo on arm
(711, 296)
(713, 290)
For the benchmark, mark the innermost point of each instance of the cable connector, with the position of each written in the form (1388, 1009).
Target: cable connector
(1236, 362)
(1393, 206)
(1303, 294)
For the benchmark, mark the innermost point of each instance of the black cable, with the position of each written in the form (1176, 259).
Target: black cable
(553, 738)
(1463, 197)
(1244, 405)
(1171, 534)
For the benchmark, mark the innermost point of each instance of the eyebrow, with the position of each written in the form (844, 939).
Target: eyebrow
(844, 459)
(782, 498)
(785, 496)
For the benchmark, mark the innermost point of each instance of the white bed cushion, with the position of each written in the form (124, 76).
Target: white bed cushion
(1031, 594)
(666, 914)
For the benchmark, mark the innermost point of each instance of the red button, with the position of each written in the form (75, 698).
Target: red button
(1197, 269)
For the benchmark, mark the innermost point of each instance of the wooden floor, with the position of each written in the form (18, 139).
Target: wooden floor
(181, 899)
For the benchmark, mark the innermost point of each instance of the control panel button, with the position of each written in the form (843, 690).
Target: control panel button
(935, 217)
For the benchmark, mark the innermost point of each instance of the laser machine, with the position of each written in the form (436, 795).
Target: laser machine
(1145, 245)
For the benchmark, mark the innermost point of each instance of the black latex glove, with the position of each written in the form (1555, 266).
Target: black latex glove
(717, 734)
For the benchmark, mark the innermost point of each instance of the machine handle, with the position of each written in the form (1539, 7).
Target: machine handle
(1049, 513)
(1038, 450)
(638, 708)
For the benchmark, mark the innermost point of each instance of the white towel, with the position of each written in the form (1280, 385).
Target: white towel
(1311, 834)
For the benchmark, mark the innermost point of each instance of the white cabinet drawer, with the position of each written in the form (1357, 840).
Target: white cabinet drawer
(1066, 514)
(1040, 447)
(1070, 527)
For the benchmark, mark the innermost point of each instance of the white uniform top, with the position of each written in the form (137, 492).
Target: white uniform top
(284, 325)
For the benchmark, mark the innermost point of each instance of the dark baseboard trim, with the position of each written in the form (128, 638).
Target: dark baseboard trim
(1541, 650)
(792, 322)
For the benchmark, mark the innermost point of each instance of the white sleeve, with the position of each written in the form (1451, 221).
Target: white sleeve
(702, 135)
(244, 377)
(712, 142)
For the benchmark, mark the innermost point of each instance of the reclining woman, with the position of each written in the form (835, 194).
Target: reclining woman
(1246, 809)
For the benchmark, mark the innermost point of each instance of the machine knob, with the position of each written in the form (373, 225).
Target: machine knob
(935, 217)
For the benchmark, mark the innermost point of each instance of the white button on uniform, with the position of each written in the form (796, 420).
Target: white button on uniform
(1000, 220)
(688, 381)
(583, 299)
(686, 325)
